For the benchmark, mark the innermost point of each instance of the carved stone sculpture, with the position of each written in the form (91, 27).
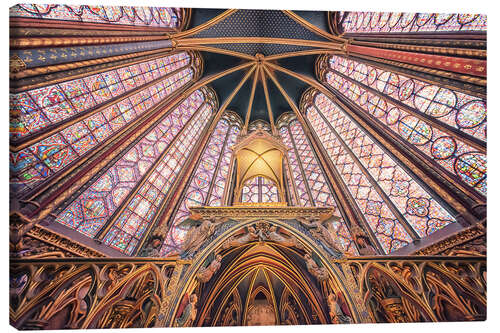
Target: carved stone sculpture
(196, 235)
(206, 273)
(337, 314)
(363, 242)
(235, 241)
(263, 232)
(319, 231)
(188, 314)
(319, 273)
(19, 225)
(274, 236)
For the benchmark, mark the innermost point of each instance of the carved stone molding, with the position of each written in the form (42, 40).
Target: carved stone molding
(467, 235)
(59, 241)
(262, 211)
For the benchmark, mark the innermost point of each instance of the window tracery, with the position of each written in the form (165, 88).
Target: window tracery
(309, 179)
(91, 210)
(259, 190)
(39, 108)
(377, 22)
(208, 181)
(393, 203)
(464, 112)
(120, 15)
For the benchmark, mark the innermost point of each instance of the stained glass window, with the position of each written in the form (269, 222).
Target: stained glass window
(376, 22)
(386, 194)
(208, 181)
(90, 211)
(259, 190)
(310, 181)
(42, 159)
(290, 188)
(464, 112)
(222, 175)
(38, 108)
(133, 220)
(297, 176)
(135, 16)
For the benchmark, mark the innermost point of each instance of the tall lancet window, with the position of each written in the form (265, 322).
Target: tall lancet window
(117, 15)
(208, 180)
(446, 126)
(121, 204)
(259, 190)
(309, 181)
(59, 125)
(376, 22)
(396, 206)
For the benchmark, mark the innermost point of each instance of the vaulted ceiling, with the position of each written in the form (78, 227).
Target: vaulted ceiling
(291, 40)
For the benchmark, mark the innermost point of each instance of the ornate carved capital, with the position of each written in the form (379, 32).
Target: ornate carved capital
(16, 64)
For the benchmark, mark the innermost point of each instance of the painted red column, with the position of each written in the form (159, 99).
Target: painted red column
(458, 65)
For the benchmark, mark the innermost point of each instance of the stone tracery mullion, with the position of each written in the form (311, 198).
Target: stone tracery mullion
(223, 169)
(354, 201)
(319, 195)
(192, 187)
(216, 171)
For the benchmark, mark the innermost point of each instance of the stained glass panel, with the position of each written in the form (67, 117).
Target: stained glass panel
(464, 112)
(376, 22)
(222, 175)
(259, 190)
(132, 222)
(445, 149)
(29, 168)
(250, 191)
(135, 16)
(298, 179)
(301, 152)
(204, 188)
(362, 163)
(38, 108)
(114, 185)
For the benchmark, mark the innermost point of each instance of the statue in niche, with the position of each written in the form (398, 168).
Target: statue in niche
(339, 311)
(235, 241)
(152, 249)
(187, 312)
(206, 273)
(320, 273)
(319, 231)
(363, 242)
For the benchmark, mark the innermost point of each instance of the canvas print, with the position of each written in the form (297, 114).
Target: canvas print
(177, 167)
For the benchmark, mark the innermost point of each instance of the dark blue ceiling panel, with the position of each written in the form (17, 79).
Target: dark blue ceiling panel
(258, 23)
